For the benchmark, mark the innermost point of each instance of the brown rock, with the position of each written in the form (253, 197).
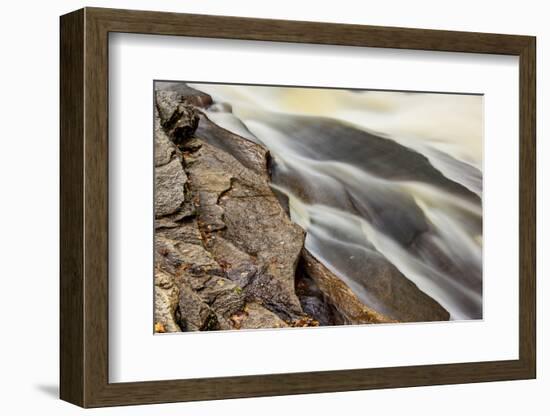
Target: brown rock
(175, 257)
(237, 206)
(182, 124)
(340, 295)
(166, 302)
(185, 230)
(170, 180)
(196, 315)
(164, 148)
(249, 154)
(169, 94)
(255, 316)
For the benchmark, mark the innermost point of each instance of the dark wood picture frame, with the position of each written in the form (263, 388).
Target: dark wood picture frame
(84, 207)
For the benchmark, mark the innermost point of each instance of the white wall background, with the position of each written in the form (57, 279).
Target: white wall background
(29, 212)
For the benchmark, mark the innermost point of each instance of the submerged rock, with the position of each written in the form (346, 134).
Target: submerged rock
(347, 304)
(320, 138)
(392, 207)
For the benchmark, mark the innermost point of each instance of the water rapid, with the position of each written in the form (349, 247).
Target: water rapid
(379, 180)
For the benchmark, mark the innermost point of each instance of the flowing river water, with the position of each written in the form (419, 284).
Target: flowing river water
(371, 173)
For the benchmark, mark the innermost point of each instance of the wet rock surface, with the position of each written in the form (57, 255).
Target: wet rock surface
(227, 255)
(336, 294)
(221, 234)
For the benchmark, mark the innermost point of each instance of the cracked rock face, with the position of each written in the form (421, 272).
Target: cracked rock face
(166, 302)
(169, 186)
(222, 238)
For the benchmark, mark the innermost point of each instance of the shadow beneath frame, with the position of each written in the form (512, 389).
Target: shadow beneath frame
(51, 390)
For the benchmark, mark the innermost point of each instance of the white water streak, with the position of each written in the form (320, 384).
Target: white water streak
(447, 129)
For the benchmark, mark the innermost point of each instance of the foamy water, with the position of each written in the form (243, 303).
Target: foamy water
(375, 173)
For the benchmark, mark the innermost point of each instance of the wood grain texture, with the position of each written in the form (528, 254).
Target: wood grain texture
(96, 208)
(162, 23)
(71, 209)
(84, 206)
(527, 208)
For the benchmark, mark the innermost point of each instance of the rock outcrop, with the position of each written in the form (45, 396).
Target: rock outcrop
(223, 242)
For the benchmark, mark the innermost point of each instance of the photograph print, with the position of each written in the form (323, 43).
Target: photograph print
(294, 207)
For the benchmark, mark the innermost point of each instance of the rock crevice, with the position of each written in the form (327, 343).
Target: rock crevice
(221, 235)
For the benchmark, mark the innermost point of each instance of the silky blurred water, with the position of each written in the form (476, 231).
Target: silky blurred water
(389, 174)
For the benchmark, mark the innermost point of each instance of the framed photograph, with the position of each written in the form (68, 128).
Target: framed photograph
(257, 207)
